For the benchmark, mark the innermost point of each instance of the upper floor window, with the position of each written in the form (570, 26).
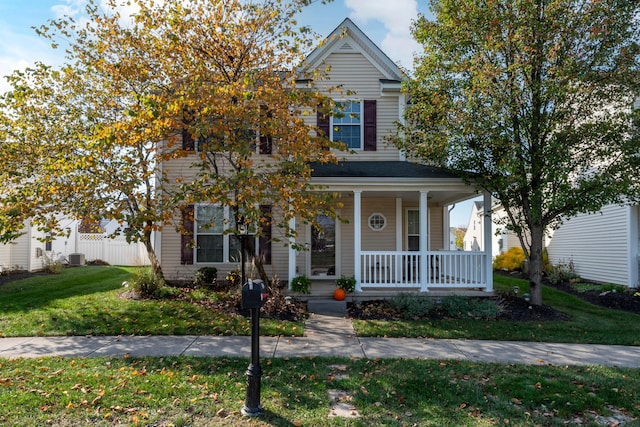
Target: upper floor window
(354, 124)
(346, 124)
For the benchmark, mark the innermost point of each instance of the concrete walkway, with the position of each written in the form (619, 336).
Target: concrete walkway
(328, 332)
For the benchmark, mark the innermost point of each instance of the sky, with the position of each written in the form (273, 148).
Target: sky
(386, 22)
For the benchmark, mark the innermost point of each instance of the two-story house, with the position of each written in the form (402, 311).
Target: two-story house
(396, 233)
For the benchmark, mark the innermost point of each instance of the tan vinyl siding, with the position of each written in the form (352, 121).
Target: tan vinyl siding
(355, 73)
(596, 244)
(385, 239)
(436, 242)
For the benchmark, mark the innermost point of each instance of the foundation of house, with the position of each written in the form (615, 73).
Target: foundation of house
(323, 290)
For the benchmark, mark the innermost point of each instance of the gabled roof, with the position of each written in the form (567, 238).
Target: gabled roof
(347, 37)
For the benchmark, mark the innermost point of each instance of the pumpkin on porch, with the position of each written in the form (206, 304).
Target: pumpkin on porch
(339, 294)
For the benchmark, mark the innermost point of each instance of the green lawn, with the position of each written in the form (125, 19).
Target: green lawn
(189, 391)
(588, 324)
(86, 301)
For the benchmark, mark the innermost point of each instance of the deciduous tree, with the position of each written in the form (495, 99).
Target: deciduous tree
(532, 101)
(213, 81)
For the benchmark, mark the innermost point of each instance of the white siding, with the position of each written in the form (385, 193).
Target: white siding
(5, 256)
(597, 244)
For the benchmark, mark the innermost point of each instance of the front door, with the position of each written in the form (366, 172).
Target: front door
(323, 248)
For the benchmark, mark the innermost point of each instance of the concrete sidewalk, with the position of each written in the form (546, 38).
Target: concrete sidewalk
(329, 334)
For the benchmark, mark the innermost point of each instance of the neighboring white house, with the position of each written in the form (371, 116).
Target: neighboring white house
(25, 252)
(602, 247)
(502, 239)
(30, 252)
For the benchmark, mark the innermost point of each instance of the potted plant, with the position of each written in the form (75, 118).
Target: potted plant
(301, 284)
(345, 285)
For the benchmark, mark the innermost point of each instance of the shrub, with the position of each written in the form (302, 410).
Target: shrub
(145, 282)
(456, 306)
(301, 284)
(412, 305)
(346, 283)
(511, 260)
(51, 265)
(165, 292)
(585, 287)
(205, 276)
(233, 278)
(560, 273)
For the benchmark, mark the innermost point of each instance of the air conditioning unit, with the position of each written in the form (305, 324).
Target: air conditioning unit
(76, 259)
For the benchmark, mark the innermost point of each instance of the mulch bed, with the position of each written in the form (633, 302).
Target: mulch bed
(514, 308)
(625, 301)
(12, 276)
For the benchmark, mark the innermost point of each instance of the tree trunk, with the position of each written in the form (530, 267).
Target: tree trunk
(257, 261)
(151, 253)
(535, 265)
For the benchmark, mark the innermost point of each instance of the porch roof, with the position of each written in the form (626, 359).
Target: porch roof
(379, 169)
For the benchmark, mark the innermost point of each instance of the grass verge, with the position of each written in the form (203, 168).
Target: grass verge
(210, 392)
(86, 301)
(588, 324)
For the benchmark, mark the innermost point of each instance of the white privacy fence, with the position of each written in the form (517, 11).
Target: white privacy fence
(444, 269)
(115, 251)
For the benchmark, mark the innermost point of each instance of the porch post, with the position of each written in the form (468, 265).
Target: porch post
(446, 228)
(292, 252)
(357, 237)
(424, 274)
(399, 239)
(488, 243)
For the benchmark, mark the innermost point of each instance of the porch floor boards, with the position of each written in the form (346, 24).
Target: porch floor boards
(323, 290)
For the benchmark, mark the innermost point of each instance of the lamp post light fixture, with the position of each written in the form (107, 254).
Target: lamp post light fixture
(251, 407)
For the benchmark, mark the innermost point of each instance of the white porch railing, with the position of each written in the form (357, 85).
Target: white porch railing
(444, 269)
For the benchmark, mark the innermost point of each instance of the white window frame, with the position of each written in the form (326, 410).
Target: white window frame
(377, 214)
(226, 237)
(332, 123)
(407, 235)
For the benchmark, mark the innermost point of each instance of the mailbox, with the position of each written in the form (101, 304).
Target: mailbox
(253, 294)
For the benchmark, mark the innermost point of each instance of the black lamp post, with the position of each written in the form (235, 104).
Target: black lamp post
(252, 407)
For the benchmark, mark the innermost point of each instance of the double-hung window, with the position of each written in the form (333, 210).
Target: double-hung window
(413, 230)
(347, 124)
(209, 233)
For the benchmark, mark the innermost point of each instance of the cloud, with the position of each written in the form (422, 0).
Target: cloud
(396, 18)
(20, 51)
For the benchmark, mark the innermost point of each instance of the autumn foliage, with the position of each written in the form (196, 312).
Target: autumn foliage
(214, 82)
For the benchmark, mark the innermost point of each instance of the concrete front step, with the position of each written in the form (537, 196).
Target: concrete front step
(327, 306)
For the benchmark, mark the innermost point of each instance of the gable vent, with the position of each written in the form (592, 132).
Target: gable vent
(346, 47)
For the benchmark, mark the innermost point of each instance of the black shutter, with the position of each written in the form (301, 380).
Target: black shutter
(370, 135)
(186, 238)
(323, 124)
(264, 241)
(188, 142)
(266, 140)
(266, 144)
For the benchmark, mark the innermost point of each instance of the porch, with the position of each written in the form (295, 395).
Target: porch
(393, 216)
